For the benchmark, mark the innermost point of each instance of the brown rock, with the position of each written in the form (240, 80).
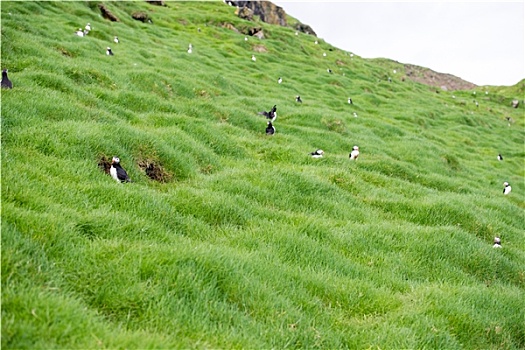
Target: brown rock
(107, 13)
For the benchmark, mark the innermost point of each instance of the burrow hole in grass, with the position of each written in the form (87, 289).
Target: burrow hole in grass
(153, 169)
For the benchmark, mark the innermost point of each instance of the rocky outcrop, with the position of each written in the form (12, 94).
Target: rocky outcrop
(305, 28)
(107, 13)
(429, 77)
(156, 3)
(244, 13)
(141, 16)
(267, 11)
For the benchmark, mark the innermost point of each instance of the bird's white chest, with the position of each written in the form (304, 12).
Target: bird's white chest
(507, 190)
(113, 173)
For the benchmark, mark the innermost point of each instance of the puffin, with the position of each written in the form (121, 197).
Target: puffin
(507, 188)
(280, 80)
(355, 153)
(355, 115)
(88, 27)
(270, 129)
(324, 54)
(316, 42)
(272, 114)
(115, 39)
(190, 48)
(6, 83)
(80, 33)
(117, 172)
(317, 154)
(500, 157)
(245, 38)
(108, 51)
(253, 58)
(329, 70)
(298, 99)
(497, 242)
(350, 101)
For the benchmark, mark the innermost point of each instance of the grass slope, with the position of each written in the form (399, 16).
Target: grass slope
(247, 242)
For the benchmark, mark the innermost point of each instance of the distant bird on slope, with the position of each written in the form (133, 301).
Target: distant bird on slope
(507, 188)
(500, 157)
(80, 33)
(355, 153)
(6, 83)
(317, 154)
(270, 129)
(117, 172)
(298, 99)
(245, 38)
(355, 115)
(88, 27)
(350, 101)
(115, 39)
(272, 114)
(253, 58)
(108, 51)
(497, 242)
(280, 80)
(324, 54)
(190, 48)
(329, 70)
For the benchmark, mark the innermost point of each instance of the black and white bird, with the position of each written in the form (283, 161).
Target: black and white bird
(115, 39)
(6, 83)
(190, 48)
(350, 101)
(317, 154)
(298, 99)
(108, 51)
(497, 242)
(355, 115)
(507, 188)
(88, 27)
(117, 172)
(280, 80)
(316, 42)
(272, 114)
(80, 33)
(500, 157)
(355, 153)
(245, 38)
(329, 70)
(324, 54)
(253, 58)
(270, 129)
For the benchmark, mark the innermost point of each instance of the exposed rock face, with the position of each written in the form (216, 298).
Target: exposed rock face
(245, 13)
(107, 13)
(267, 11)
(429, 77)
(156, 3)
(141, 16)
(305, 28)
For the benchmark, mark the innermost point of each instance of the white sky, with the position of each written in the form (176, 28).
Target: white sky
(481, 42)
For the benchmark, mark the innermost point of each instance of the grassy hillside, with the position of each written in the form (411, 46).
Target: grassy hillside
(242, 240)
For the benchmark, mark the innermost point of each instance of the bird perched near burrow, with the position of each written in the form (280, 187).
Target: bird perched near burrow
(117, 172)
(270, 129)
(6, 83)
(317, 154)
(272, 114)
(355, 153)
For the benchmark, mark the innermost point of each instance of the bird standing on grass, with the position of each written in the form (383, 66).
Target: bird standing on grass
(298, 99)
(253, 58)
(115, 39)
(355, 153)
(350, 101)
(497, 242)
(88, 27)
(280, 80)
(272, 114)
(270, 129)
(190, 48)
(6, 83)
(108, 51)
(80, 33)
(317, 154)
(507, 188)
(117, 172)
(500, 157)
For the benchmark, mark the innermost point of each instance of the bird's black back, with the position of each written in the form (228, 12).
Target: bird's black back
(6, 83)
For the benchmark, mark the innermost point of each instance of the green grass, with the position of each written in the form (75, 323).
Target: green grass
(248, 242)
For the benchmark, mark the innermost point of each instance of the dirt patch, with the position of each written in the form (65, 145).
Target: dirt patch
(155, 171)
(104, 163)
(260, 48)
(443, 81)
